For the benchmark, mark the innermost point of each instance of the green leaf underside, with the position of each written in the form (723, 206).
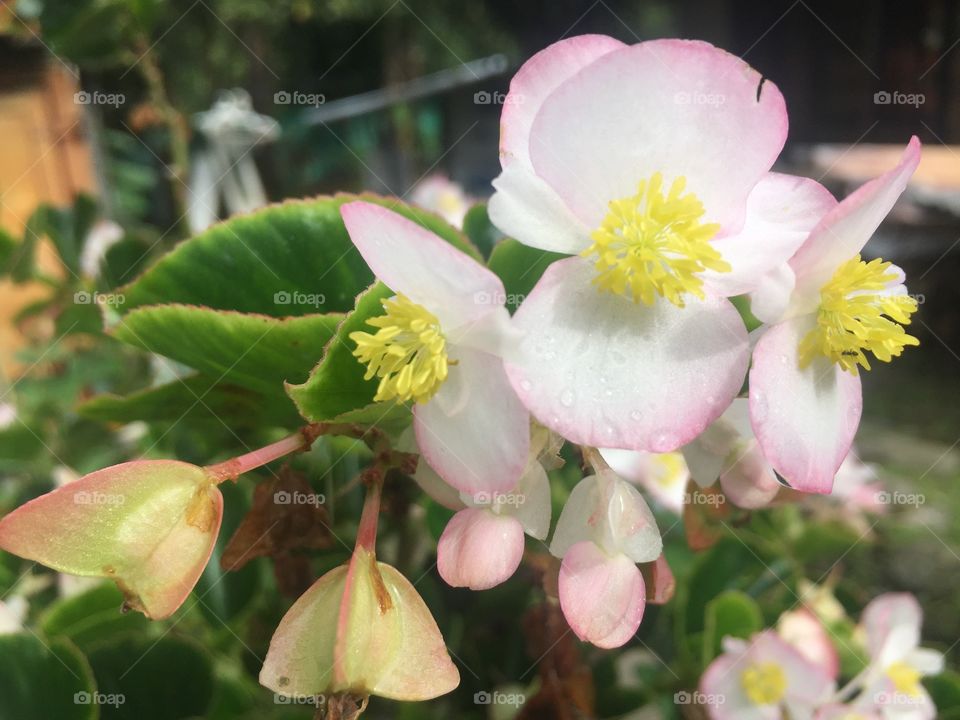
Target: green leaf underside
(519, 267)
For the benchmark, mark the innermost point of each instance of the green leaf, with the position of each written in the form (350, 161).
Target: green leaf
(91, 617)
(43, 680)
(166, 679)
(732, 613)
(519, 267)
(336, 385)
(482, 232)
(742, 304)
(290, 259)
(254, 351)
(194, 399)
(945, 691)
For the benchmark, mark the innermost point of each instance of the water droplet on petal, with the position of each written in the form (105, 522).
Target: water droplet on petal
(664, 441)
(566, 397)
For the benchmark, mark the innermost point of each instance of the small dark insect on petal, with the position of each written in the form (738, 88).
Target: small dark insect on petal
(760, 87)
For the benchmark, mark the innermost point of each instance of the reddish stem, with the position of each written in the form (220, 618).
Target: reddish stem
(234, 467)
(367, 530)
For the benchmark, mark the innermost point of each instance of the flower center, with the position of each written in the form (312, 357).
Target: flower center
(856, 315)
(654, 244)
(408, 353)
(764, 683)
(905, 679)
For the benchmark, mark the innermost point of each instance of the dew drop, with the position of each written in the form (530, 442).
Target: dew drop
(664, 441)
(566, 398)
(525, 385)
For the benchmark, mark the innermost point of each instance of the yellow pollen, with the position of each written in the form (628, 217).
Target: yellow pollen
(905, 678)
(408, 353)
(671, 469)
(653, 244)
(764, 683)
(855, 315)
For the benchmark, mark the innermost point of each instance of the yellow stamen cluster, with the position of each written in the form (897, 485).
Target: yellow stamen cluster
(408, 352)
(653, 244)
(856, 315)
(905, 678)
(764, 683)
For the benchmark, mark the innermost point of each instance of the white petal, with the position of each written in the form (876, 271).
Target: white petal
(474, 432)
(604, 371)
(804, 419)
(412, 261)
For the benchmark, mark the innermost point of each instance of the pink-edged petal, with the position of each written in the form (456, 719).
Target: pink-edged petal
(602, 597)
(535, 80)
(148, 525)
(412, 261)
(660, 581)
(604, 371)
(892, 625)
(479, 549)
(781, 212)
(525, 207)
(612, 514)
(723, 693)
(804, 419)
(426, 477)
(530, 502)
(807, 684)
(648, 108)
(846, 229)
(747, 479)
(802, 629)
(475, 432)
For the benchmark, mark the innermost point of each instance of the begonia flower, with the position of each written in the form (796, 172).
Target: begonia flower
(649, 165)
(436, 345)
(827, 310)
(765, 678)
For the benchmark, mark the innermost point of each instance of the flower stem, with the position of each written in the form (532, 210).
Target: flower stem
(367, 530)
(235, 467)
